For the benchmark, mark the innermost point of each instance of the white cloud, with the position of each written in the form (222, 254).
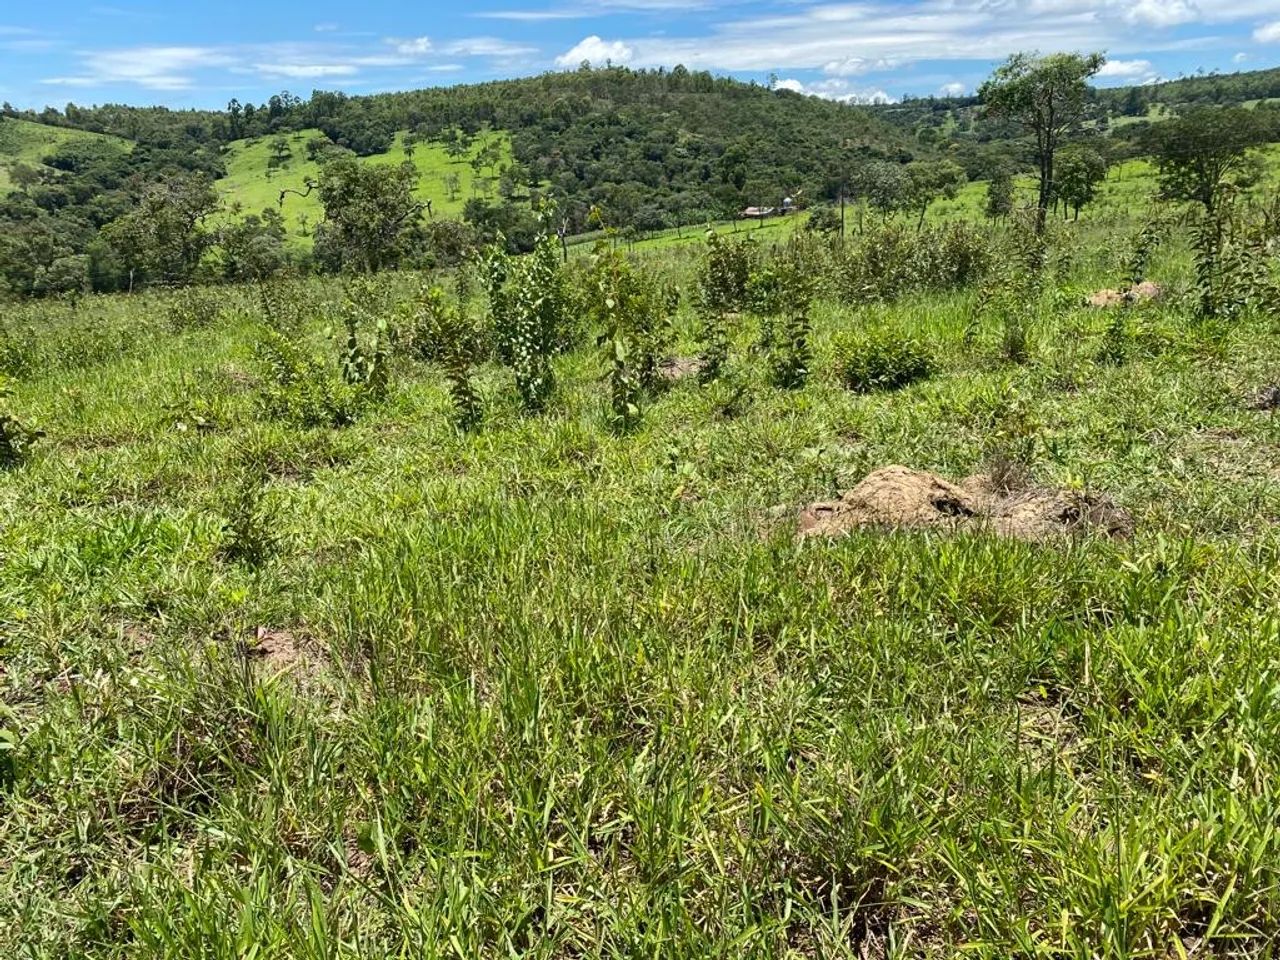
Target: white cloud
(417, 47)
(836, 89)
(596, 51)
(325, 27)
(955, 89)
(856, 66)
(1162, 13)
(1240, 58)
(306, 71)
(1127, 69)
(487, 47)
(1268, 33)
(155, 68)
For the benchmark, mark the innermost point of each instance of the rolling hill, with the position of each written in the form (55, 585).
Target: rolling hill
(29, 143)
(254, 180)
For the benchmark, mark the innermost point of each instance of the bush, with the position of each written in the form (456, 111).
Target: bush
(16, 437)
(884, 361)
(892, 260)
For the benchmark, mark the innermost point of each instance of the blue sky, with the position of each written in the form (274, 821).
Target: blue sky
(203, 54)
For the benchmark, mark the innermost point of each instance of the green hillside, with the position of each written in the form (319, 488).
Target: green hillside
(22, 141)
(252, 183)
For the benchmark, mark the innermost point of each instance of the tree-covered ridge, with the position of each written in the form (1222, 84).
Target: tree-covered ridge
(633, 149)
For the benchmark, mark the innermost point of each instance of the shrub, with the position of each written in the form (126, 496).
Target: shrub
(892, 260)
(884, 361)
(725, 273)
(303, 389)
(16, 437)
(193, 309)
(249, 523)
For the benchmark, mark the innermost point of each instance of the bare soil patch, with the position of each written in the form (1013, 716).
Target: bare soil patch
(900, 498)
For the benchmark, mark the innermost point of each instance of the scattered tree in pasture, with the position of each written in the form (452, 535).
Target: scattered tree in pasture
(930, 180)
(253, 248)
(371, 218)
(1080, 170)
(885, 186)
(1047, 97)
(999, 203)
(1206, 153)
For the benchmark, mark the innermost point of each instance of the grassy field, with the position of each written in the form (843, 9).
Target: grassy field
(250, 186)
(22, 141)
(546, 690)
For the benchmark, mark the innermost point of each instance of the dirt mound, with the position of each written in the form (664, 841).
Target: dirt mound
(898, 497)
(892, 497)
(1145, 292)
(678, 368)
(1044, 514)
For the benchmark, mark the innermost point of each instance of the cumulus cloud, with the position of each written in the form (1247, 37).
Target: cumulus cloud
(596, 51)
(856, 66)
(1162, 13)
(1127, 69)
(1268, 33)
(954, 89)
(837, 90)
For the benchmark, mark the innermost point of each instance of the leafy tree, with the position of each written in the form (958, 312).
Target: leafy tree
(1205, 152)
(253, 248)
(1080, 170)
(371, 218)
(163, 239)
(885, 186)
(1047, 97)
(930, 180)
(1000, 194)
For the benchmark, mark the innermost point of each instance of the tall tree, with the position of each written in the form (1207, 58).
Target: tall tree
(1047, 97)
(1205, 152)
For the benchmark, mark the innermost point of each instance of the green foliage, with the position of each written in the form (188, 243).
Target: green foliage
(163, 239)
(365, 355)
(724, 273)
(883, 360)
(371, 216)
(632, 312)
(194, 309)
(1079, 171)
(890, 260)
(999, 199)
(529, 306)
(440, 332)
(310, 391)
(790, 291)
(16, 437)
(714, 344)
(1047, 97)
(1205, 154)
(250, 524)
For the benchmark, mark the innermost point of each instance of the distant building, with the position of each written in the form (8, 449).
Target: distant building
(758, 213)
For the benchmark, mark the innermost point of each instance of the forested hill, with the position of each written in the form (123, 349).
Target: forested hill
(619, 137)
(647, 148)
